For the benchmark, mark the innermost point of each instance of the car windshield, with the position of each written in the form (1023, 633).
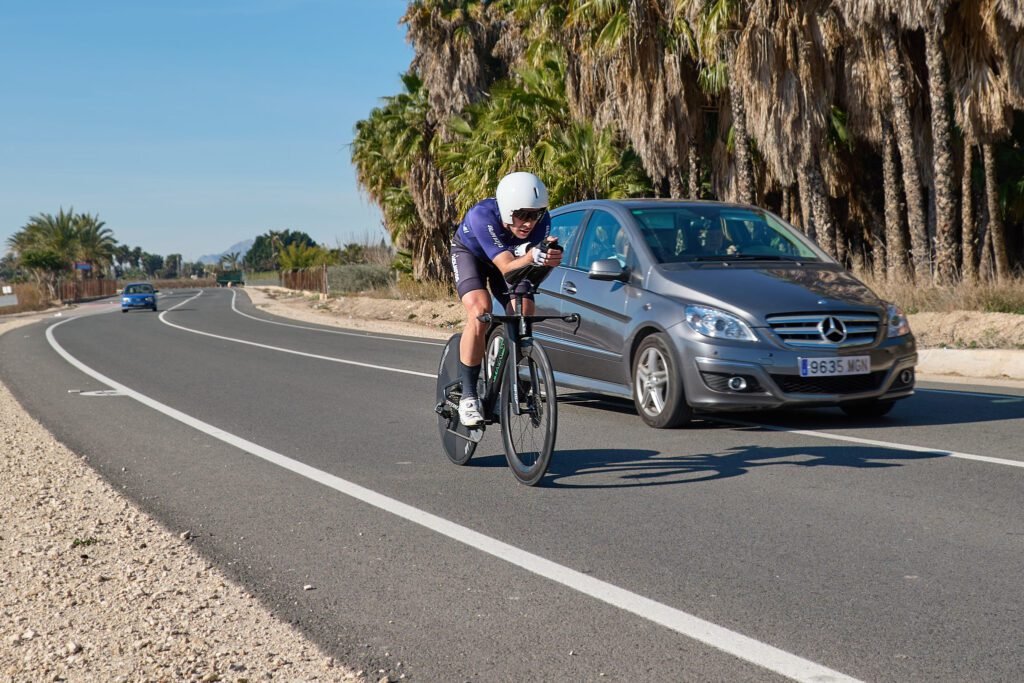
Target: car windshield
(138, 289)
(693, 233)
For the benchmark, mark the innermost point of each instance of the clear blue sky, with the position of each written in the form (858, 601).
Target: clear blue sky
(191, 125)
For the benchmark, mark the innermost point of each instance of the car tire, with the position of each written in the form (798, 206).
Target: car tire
(124, 310)
(867, 409)
(658, 392)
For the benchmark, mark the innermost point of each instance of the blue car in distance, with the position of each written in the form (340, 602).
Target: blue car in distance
(138, 295)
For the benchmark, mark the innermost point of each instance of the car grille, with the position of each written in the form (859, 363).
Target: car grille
(848, 384)
(803, 330)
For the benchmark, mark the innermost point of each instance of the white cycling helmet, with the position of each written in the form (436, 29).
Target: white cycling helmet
(520, 190)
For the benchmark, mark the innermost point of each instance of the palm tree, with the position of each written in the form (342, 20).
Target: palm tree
(783, 51)
(933, 22)
(297, 256)
(57, 234)
(983, 110)
(876, 20)
(716, 25)
(231, 260)
(394, 147)
(645, 84)
(96, 243)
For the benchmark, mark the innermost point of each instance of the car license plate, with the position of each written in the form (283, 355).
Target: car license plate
(830, 367)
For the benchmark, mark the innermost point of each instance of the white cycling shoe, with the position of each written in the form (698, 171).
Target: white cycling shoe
(470, 412)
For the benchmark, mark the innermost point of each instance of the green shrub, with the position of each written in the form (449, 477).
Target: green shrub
(359, 277)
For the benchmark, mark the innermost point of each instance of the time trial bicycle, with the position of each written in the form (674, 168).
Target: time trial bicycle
(517, 388)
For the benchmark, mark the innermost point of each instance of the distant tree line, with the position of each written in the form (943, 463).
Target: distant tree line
(892, 132)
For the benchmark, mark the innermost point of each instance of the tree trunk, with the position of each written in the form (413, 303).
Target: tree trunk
(676, 188)
(694, 169)
(803, 185)
(968, 226)
(744, 170)
(824, 226)
(995, 223)
(786, 209)
(895, 237)
(430, 247)
(920, 253)
(942, 133)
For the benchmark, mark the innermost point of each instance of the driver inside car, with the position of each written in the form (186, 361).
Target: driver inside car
(498, 235)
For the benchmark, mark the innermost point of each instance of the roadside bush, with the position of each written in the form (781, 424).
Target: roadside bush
(360, 277)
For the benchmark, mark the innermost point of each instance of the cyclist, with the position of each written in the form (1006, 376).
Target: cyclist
(497, 235)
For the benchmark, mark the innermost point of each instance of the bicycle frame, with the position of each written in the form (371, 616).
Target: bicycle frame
(517, 332)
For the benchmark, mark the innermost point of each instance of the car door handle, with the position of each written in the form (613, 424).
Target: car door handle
(569, 288)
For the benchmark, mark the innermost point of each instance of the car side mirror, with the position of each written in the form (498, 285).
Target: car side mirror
(608, 269)
(156, 291)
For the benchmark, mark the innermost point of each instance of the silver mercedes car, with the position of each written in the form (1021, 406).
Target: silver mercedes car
(696, 305)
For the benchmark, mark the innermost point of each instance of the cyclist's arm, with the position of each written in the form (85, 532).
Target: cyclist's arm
(506, 261)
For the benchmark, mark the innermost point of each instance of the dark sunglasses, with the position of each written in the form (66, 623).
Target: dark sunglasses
(529, 214)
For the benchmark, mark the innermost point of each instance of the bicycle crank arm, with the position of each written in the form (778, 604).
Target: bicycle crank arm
(475, 434)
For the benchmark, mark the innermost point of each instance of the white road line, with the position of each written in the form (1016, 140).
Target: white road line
(363, 335)
(291, 351)
(804, 432)
(731, 642)
(873, 442)
(975, 394)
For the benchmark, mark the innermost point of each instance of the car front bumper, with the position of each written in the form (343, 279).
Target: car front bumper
(771, 377)
(137, 303)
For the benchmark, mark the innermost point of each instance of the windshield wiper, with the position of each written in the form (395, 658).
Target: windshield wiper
(749, 257)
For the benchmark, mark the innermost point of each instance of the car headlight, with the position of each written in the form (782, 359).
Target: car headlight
(126, 300)
(898, 323)
(712, 322)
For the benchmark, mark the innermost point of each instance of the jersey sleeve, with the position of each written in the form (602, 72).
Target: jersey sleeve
(487, 231)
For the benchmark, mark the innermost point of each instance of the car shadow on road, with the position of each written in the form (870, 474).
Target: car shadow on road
(927, 408)
(616, 468)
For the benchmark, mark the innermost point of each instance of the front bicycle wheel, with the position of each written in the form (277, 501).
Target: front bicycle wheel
(456, 438)
(529, 421)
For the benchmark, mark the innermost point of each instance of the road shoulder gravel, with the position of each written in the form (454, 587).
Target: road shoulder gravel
(94, 589)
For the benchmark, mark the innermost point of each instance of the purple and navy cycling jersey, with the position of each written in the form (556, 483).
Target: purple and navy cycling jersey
(484, 235)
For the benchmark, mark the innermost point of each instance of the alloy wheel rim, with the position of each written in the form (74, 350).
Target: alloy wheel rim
(652, 382)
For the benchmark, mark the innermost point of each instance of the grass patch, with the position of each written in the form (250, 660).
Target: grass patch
(80, 542)
(1006, 296)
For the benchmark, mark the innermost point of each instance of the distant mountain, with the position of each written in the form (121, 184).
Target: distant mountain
(214, 259)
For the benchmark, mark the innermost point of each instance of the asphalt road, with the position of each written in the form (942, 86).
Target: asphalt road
(797, 545)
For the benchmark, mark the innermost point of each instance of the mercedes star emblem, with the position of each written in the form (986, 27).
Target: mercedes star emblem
(832, 330)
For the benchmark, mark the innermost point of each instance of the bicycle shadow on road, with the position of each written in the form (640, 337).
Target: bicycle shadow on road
(618, 468)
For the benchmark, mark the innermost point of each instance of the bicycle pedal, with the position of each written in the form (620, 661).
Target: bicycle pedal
(476, 434)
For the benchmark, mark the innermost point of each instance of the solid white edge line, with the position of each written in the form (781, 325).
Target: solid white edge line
(804, 432)
(284, 350)
(718, 637)
(874, 442)
(976, 394)
(363, 335)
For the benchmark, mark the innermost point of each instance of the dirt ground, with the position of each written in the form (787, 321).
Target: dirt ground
(955, 330)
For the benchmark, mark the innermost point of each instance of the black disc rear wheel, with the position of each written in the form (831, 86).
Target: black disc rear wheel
(529, 437)
(457, 448)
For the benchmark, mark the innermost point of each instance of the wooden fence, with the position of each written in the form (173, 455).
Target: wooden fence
(310, 279)
(70, 291)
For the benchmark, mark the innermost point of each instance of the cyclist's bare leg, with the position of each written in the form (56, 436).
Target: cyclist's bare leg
(471, 346)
